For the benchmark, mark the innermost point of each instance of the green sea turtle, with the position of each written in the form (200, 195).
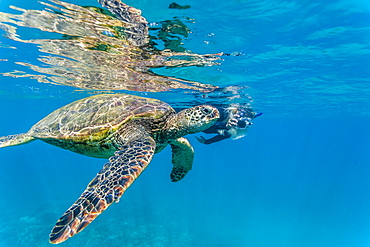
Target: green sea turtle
(124, 128)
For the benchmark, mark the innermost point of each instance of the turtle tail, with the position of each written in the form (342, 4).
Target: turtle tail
(13, 140)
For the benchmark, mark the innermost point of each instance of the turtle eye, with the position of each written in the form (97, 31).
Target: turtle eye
(206, 111)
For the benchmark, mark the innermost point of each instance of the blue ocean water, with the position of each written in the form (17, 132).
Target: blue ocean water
(300, 176)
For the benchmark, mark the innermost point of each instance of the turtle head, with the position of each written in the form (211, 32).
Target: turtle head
(200, 117)
(193, 120)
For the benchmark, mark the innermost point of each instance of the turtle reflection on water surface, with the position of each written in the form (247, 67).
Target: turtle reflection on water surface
(100, 51)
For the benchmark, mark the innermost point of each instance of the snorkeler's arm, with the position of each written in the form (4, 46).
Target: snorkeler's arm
(214, 139)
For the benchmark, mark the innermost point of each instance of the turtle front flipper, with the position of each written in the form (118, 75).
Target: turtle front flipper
(13, 140)
(182, 158)
(107, 187)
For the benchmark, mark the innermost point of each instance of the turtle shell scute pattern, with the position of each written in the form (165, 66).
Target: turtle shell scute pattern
(96, 117)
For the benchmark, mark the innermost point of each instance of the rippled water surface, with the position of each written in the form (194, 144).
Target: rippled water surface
(300, 176)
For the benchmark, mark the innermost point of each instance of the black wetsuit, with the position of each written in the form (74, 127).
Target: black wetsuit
(220, 127)
(221, 124)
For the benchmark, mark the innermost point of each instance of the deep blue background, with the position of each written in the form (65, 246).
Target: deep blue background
(300, 177)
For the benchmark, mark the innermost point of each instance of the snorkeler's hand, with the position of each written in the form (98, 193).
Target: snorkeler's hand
(201, 139)
(232, 122)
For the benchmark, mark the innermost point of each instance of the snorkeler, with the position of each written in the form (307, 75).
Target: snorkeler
(233, 123)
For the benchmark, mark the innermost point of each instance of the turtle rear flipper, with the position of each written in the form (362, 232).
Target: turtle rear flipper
(107, 187)
(13, 140)
(182, 158)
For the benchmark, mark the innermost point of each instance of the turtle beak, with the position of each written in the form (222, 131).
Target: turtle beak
(215, 114)
(209, 112)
